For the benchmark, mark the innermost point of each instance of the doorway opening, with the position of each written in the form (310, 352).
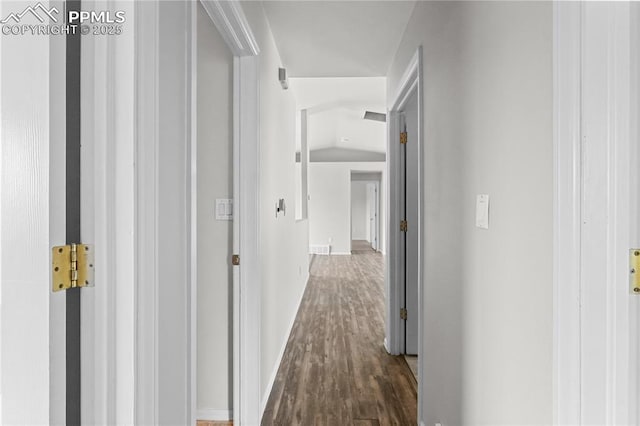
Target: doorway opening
(366, 203)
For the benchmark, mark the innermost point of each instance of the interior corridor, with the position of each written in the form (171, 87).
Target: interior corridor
(335, 370)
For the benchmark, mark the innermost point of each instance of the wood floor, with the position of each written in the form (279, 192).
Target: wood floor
(361, 247)
(335, 370)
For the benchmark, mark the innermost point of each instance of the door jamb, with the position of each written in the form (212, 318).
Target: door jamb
(411, 82)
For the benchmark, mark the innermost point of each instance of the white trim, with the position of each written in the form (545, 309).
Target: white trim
(193, 197)
(232, 24)
(247, 304)
(229, 18)
(410, 83)
(276, 366)
(213, 415)
(606, 302)
(594, 338)
(567, 28)
(108, 311)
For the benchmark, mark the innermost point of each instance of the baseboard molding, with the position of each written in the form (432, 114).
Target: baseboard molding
(214, 415)
(336, 253)
(274, 373)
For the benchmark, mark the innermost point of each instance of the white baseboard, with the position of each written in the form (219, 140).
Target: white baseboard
(336, 253)
(214, 415)
(272, 377)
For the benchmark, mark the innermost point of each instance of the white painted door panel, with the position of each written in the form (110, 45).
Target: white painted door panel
(32, 211)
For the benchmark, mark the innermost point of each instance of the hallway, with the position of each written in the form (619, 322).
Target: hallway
(335, 370)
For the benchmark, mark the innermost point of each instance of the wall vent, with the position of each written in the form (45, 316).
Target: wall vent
(375, 116)
(320, 249)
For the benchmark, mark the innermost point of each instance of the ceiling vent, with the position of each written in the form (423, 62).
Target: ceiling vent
(375, 116)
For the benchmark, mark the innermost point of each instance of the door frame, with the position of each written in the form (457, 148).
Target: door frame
(377, 181)
(410, 84)
(122, 380)
(229, 19)
(580, 394)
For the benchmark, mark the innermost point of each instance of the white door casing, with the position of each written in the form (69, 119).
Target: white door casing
(410, 83)
(595, 211)
(412, 209)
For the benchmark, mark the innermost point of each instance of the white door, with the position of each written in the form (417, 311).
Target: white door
(411, 195)
(32, 219)
(373, 202)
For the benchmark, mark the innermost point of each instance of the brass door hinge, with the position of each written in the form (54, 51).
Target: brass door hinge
(634, 270)
(403, 313)
(403, 225)
(71, 266)
(235, 259)
(403, 138)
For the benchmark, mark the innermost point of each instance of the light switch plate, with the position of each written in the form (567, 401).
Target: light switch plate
(482, 211)
(224, 209)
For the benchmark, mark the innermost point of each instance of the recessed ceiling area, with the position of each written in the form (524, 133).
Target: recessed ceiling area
(337, 38)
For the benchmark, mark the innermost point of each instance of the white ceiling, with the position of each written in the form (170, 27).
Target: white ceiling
(326, 93)
(345, 128)
(337, 38)
(336, 108)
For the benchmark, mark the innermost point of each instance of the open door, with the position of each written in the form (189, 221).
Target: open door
(32, 220)
(409, 206)
(374, 215)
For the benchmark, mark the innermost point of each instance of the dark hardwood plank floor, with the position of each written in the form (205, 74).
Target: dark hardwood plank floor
(335, 370)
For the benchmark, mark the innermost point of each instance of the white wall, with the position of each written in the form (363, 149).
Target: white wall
(283, 240)
(214, 180)
(172, 289)
(359, 211)
(487, 129)
(330, 203)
